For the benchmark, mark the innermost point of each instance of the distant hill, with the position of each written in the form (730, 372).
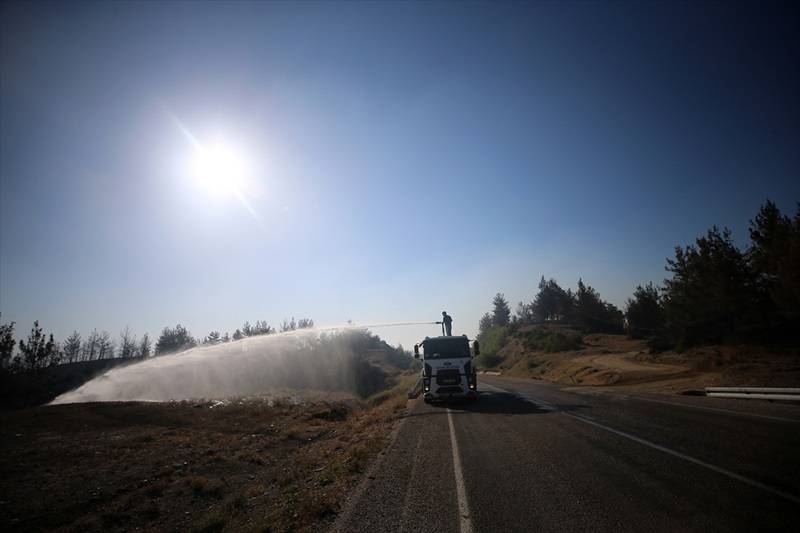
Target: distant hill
(562, 354)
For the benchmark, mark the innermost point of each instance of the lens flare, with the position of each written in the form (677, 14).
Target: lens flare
(219, 168)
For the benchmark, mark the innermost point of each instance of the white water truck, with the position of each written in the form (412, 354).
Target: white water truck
(447, 369)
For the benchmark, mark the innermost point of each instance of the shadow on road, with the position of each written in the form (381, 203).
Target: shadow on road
(499, 403)
(491, 403)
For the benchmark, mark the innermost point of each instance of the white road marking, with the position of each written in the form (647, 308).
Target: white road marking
(689, 458)
(730, 411)
(465, 522)
(541, 404)
(717, 469)
(538, 403)
(486, 385)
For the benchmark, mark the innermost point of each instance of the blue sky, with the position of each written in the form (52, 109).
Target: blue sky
(404, 157)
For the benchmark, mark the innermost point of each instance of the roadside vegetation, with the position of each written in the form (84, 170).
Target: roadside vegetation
(268, 463)
(279, 461)
(549, 341)
(37, 369)
(716, 295)
(41, 350)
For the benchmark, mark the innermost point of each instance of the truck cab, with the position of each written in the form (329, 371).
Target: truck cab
(447, 370)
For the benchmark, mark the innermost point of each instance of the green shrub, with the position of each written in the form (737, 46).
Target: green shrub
(543, 340)
(492, 341)
(486, 360)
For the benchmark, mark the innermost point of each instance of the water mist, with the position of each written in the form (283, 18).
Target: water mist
(303, 359)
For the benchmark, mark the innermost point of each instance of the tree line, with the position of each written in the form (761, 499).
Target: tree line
(583, 308)
(716, 293)
(721, 293)
(40, 350)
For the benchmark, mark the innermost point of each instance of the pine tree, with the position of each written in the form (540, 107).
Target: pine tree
(262, 328)
(288, 326)
(501, 316)
(7, 344)
(644, 312)
(711, 293)
(174, 340)
(145, 346)
(105, 346)
(72, 347)
(91, 346)
(484, 325)
(212, 338)
(523, 313)
(551, 302)
(774, 255)
(39, 351)
(593, 314)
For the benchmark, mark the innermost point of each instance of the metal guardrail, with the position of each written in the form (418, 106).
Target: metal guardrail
(755, 393)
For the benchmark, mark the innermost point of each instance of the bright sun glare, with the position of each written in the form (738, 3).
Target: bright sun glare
(219, 168)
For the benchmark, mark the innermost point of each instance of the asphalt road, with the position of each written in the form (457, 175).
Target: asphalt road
(530, 456)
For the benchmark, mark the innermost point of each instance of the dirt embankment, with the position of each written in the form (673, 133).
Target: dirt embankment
(616, 360)
(257, 464)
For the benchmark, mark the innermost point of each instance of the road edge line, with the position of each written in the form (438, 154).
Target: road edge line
(689, 458)
(465, 521)
(645, 442)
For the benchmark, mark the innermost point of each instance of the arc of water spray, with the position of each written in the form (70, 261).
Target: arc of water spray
(250, 366)
(384, 325)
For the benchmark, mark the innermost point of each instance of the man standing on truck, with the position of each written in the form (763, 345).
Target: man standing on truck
(447, 320)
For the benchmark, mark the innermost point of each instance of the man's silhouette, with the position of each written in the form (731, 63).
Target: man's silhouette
(447, 320)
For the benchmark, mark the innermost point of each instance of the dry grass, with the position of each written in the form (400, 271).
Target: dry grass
(617, 360)
(255, 465)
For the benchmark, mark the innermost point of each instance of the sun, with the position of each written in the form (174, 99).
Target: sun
(223, 170)
(219, 168)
